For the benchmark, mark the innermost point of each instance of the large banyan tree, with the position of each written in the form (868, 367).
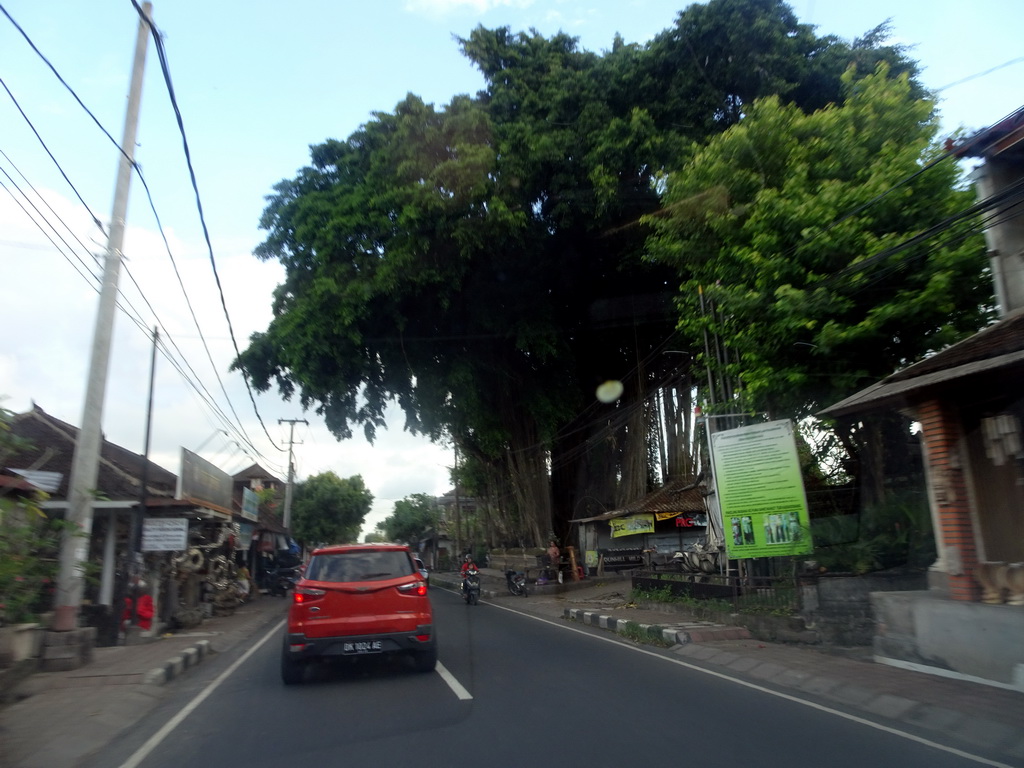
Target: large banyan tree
(481, 263)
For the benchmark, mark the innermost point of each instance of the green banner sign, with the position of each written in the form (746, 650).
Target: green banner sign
(761, 491)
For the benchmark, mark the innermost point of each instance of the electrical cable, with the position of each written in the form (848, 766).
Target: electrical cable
(74, 189)
(49, 207)
(142, 179)
(162, 56)
(87, 275)
(980, 74)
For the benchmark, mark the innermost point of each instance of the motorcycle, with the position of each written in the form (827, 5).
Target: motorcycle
(277, 581)
(471, 587)
(516, 582)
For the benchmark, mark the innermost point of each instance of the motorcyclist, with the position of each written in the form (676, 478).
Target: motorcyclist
(467, 566)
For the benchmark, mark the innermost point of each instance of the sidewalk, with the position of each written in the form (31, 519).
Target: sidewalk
(984, 719)
(60, 718)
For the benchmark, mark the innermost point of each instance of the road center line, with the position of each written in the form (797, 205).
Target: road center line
(454, 684)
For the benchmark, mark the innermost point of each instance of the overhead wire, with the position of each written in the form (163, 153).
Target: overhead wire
(87, 274)
(74, 189)
(136, 319)
(43, 200)
(162, 56)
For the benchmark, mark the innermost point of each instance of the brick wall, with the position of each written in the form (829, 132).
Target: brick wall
(940, 427)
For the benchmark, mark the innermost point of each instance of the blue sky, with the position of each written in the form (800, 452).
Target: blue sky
(257, 83)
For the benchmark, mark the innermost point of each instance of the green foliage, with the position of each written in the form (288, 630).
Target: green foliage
(647, 635)
(895, 533)
(410, 518)
(327, 509)
(29, 545)
(481, 263)
(795, 228)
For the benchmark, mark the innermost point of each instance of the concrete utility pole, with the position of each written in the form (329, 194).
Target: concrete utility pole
(291, 471)
(85, 463)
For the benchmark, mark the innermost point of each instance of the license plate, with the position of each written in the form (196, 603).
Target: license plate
(363, 646)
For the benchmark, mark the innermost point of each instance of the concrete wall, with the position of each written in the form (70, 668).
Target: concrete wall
(839, 608)
(972, 639)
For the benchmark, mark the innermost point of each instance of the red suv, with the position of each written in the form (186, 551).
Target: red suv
(356, 600)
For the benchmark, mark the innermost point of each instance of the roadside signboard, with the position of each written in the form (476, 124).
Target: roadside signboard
(164, 534)
(761, 491)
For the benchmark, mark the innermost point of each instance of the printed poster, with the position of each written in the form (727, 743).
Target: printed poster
(630, 526)
(761, 491)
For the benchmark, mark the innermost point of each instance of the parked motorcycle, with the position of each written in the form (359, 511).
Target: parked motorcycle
(471, 587)
(277, 581)
(516, 582)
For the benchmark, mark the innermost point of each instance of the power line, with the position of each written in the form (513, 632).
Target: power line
(162, 56)
(50, 207)
(95, 218)
(980, 74)
(138, 171)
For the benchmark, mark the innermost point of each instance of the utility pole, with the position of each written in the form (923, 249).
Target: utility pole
(291, 471)
(85, 463)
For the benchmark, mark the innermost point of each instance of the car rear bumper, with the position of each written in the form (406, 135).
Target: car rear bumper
(301, 647)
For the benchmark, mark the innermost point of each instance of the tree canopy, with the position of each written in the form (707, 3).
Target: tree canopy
(328, 509)
(829, 247)
(409, 518)
(482, 263)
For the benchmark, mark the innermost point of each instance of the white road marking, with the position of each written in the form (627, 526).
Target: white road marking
(769, 691)
(154, 741)
(454, 684)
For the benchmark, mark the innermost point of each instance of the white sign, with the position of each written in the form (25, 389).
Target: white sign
(250, 505)
(166, 534)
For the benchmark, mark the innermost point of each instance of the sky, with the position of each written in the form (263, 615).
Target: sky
(257, 83)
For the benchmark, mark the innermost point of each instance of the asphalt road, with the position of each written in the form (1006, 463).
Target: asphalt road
(510, 690)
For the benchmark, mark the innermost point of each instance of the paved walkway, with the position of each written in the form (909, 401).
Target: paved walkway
(85, 709)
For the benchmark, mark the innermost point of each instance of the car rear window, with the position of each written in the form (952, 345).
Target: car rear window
(363, 565)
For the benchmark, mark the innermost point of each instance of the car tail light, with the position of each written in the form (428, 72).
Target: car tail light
(306, 595)
(418, 588)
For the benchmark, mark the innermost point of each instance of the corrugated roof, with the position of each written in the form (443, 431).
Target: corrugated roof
(676, 496)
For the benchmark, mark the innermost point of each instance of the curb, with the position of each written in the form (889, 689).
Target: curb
(177, 664)
(677, 633)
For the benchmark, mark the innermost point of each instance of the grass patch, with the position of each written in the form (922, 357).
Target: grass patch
(645, 635)
(749, 603)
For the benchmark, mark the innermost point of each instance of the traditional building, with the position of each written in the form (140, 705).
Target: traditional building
(969, 402)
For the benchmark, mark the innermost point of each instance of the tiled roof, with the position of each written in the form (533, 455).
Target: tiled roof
(52, 449)
(998, 346)
(255, 472)
(1006, 136)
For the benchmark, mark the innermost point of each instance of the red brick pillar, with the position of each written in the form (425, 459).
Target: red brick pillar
(954, 539)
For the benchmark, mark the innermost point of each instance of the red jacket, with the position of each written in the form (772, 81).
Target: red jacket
(144, 613)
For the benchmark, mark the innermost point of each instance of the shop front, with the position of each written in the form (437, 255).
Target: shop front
(667, 528)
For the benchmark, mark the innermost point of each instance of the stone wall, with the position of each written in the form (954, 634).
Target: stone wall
(839, 608)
